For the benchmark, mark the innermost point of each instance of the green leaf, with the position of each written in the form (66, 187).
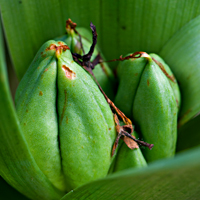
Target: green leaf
(144, 25)
(182, 55)
(166, 179)
(122, 26)
(18, 167)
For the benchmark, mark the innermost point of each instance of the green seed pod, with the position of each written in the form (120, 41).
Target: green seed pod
(128, 158)
(101, 71)
(152, 104)
(131, 70)
(65, 119)
(155, 111)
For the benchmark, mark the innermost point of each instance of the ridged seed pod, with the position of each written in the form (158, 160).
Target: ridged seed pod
(148, 96)
(66, 120)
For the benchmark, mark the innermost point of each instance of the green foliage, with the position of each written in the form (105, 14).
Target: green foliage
(164, 179)
(169, 28)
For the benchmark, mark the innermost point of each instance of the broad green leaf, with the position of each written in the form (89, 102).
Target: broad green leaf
(144, 25)
(17, 165)
(166, 179)
(122, 26)
(182, 55)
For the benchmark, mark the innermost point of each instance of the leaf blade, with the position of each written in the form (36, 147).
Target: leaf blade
(165, 179)
(182, 55)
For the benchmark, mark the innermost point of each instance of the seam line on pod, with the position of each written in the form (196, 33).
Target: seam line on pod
(51, 59)
(58, 136)
(139, 83)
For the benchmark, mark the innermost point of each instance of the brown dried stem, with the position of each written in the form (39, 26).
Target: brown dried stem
(124, 132)
(145, 55)
(172, 78)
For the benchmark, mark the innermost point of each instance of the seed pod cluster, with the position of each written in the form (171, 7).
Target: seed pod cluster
(70, 124)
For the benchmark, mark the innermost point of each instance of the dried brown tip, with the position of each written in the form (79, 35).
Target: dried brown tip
(131, 144)
(70, 25)
(135, 55)
(58, 49)
(124, 132)
(125, 136)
